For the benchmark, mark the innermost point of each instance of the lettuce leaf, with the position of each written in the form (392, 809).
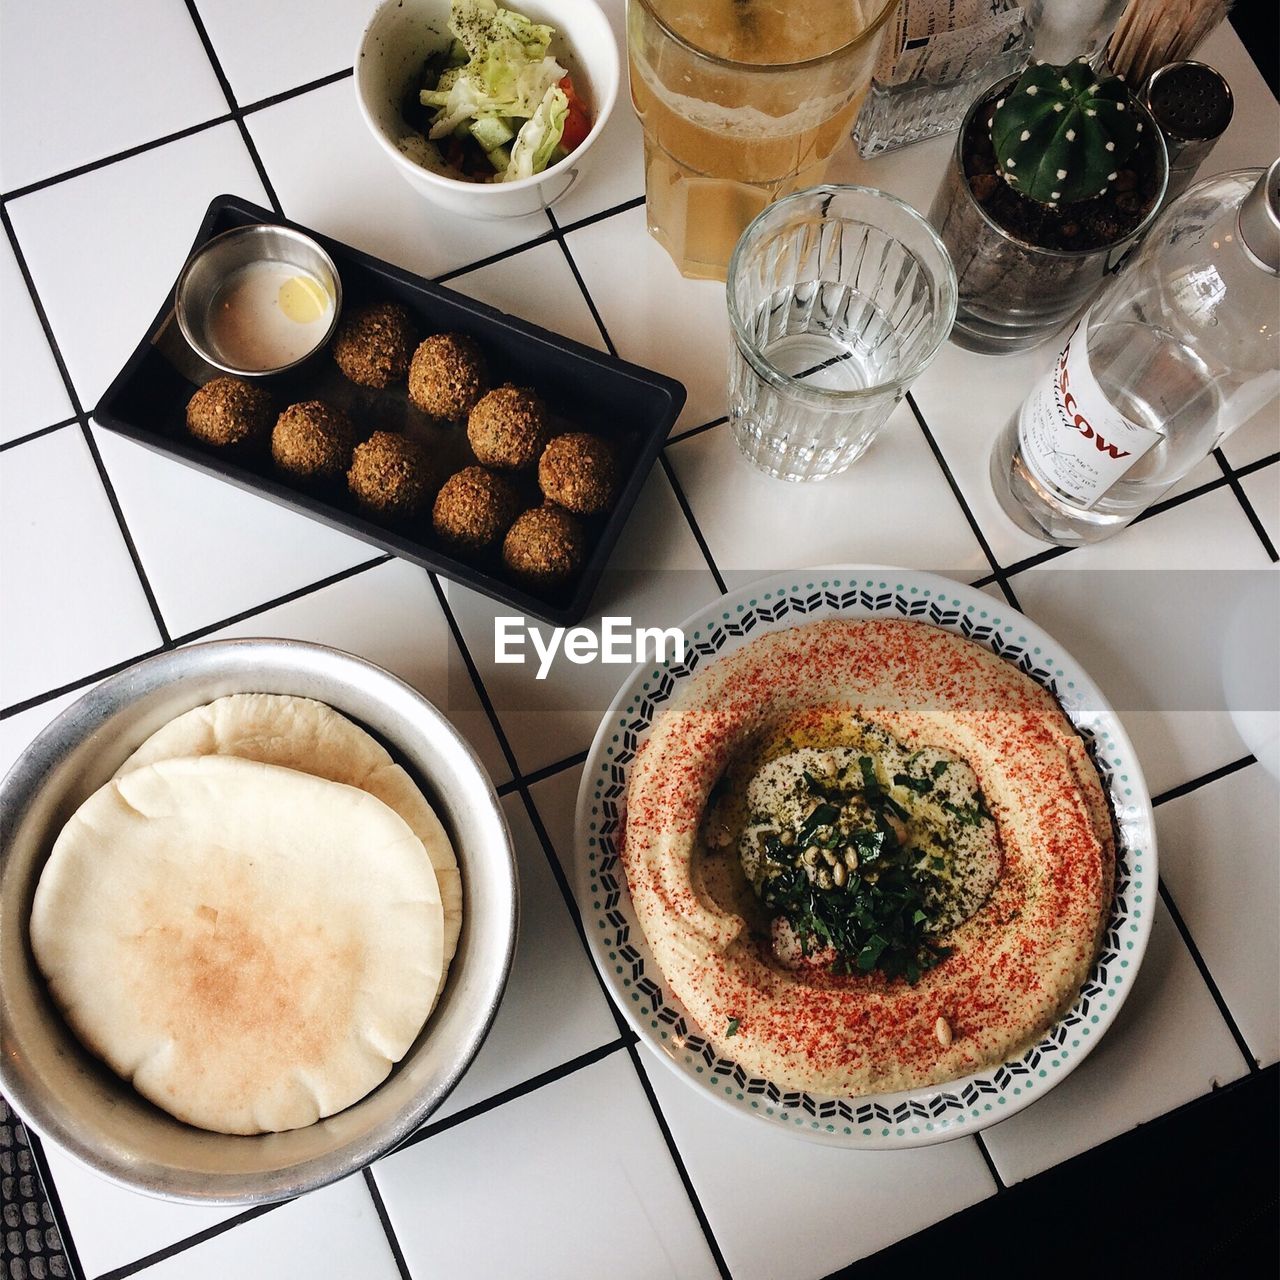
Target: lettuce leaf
(509, 72)
(538, 137)
(480, 23)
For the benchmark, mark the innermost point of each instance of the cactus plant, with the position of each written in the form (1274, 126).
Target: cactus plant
(1060, 134)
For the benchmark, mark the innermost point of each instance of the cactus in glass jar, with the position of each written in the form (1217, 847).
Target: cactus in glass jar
(1060, 133)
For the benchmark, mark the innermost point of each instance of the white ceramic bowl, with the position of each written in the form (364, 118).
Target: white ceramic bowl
(400, 37)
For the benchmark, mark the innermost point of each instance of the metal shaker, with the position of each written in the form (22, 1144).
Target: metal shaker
(1192, 104)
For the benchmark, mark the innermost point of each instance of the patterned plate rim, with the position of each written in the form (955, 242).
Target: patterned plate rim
(917, 1117)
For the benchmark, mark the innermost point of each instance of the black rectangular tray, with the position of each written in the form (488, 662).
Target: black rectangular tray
(631, 407)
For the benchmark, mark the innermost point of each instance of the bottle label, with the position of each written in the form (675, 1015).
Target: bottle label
(1070, 434)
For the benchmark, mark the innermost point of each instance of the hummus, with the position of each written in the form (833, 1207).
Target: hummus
(868, 856)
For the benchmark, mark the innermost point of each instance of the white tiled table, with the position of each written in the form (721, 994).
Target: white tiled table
(567, 1150)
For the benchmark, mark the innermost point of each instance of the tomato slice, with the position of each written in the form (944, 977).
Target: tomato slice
(577, 124)
(575, 102)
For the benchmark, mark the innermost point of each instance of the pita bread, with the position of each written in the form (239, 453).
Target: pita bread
(302, 734)
(251, 946)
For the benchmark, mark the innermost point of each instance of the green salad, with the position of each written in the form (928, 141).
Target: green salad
(496, 105)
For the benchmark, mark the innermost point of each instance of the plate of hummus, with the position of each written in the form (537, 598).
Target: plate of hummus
(872, 861)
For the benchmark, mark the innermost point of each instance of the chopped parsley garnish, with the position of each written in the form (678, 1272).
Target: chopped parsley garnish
(921, 786)
(732, 1028)
(823, 815)
(825, 790)
(863, 895)
(873, 916)
(869, 924)
(968, 815)
(868, 845)
(870, 783)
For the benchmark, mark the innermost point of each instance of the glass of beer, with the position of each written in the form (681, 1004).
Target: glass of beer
(742, 101)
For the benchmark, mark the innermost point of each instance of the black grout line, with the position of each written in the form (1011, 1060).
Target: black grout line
(288, 598)
(557, 872)
(236, 114)
(1204, 779)
(678, 1160)
(473, 671)
(178, 135)
(284, 96)
(1243, 499)
(45, 1175)
(228, 117)
(429, 1130)
(1167, 504)
(17, 708)
(1256, 465)
(1035, 560)
(152, 603)
(80, 170)
(341, 576)
(582, 284)
(1174, 793)
(496, 1100)
(662, 457)
(566, 892)
(678, 489)
(82, 419)
(189, 1242)
(690, 432)
(502, 255)
(1009, 594)
(388, 1230)
(35, 435)
(550, 770)
(1157, 508)
(991, 1164)
(625, 207)
(1241, 1043)
(997, 571)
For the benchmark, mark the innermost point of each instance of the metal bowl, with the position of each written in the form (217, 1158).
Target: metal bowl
(68, 1096)
(216, 261)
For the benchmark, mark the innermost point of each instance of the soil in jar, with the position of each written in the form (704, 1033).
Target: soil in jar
(1096, 223)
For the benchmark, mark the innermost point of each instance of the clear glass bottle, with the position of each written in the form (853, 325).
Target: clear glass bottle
(936, 57)
(1182, 348)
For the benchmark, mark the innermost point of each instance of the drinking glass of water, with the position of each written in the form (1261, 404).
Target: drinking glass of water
(839, 297)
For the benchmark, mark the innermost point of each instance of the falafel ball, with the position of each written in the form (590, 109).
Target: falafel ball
(447, 376)
(545, 545)
(229, 411)
(390, 476)
(373, 344)
(508, 428)
(313, 441)
(475, 507)
(576, 472)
